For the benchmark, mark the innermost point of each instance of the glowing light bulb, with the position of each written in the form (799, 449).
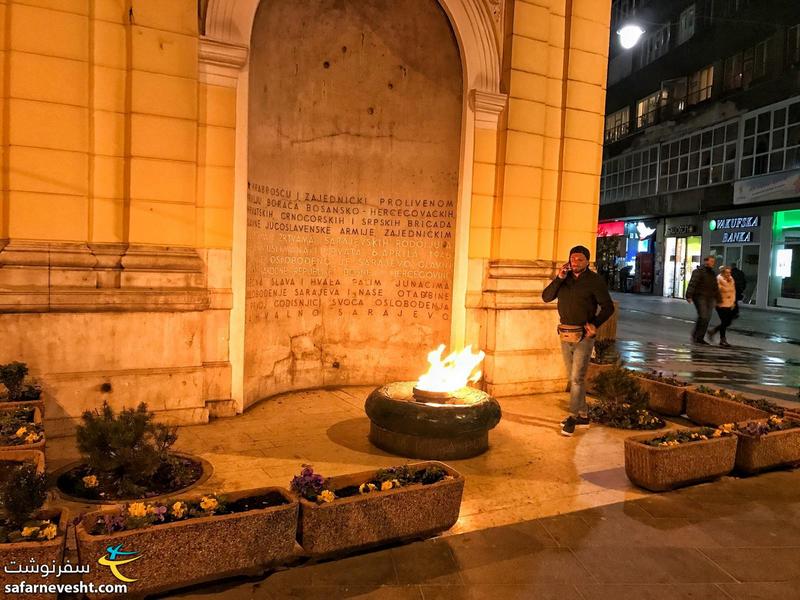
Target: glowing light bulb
(629, 36)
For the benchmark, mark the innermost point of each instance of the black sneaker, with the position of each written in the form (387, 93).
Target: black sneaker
(701, 343)
(579, 421)
(568, 427)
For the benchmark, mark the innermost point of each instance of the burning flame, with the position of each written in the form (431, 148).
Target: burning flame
(451, 373)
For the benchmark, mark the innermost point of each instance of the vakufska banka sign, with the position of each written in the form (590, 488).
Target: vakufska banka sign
(733, 223)
(735, 237)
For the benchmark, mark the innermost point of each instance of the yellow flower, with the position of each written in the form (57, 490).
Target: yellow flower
(717, 433)
(49, 531)
(32, 438)
(22, 431)
(395, 483)
(90, 481)
(209, 504)
(137, 509)
(179, 510)
(386, 485)
(29, 531)
(364, 488)
(326, 496)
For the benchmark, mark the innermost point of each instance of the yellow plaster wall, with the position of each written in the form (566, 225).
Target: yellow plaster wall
(107, 134)
(542, 167)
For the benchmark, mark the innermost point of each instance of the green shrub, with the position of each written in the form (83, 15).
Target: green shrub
(128, 448)
(605, 352)
(12, 375)
(621, 402)
(22, 494)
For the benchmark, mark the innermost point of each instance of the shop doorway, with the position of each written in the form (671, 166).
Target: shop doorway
(682, 256)
(746, 258)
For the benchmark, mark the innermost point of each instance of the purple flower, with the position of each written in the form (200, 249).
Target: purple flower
(112, 523)
(308, 484)
(159, 512)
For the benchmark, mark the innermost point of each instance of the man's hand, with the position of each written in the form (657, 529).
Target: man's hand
(590, 329)
(562, 273)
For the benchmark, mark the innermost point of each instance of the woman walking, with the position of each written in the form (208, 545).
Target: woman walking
(727, 309)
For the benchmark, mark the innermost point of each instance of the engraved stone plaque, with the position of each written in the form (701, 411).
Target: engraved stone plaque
(354, 141)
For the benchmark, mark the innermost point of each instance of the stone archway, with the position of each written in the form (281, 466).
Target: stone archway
(224, 60)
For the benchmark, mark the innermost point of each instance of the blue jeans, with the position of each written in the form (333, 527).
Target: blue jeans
(576, 359)
(705, 306)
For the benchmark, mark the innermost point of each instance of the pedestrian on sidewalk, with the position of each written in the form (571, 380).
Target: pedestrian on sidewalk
(703, 291)
(740, 280)
(727, 309)
(580, 292)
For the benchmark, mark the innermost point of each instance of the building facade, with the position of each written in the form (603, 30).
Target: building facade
(207, 203)
(702, 146)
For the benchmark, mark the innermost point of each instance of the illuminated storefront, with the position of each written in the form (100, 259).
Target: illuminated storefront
(784, 288)
(682, 254)
(625, 255)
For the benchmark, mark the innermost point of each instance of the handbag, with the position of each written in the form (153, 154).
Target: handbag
(571, 333)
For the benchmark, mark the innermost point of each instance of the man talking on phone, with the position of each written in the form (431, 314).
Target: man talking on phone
(579, 292)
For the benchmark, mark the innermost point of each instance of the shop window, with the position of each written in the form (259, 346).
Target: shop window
(771, 140)
(686, 24)
(632, 175)
(647, 110)
(706, 157)
(700, 85)
(617, 124)
(784, 288)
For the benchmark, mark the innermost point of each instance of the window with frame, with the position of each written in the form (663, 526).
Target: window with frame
(727, 8)
(654, 46)
(647, 110)
(618, 124)
(793, 45)
(706, 157)
(771, 141)
(700, 85)
(632, 175)
(686, 24)
(621, 10)
(741, 69)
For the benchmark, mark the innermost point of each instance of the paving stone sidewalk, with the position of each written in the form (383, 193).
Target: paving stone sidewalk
(731, 539)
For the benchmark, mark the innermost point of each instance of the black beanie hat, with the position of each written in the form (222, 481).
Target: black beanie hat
(580, 249)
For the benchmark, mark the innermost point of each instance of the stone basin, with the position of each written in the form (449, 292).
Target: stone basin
(446, 428)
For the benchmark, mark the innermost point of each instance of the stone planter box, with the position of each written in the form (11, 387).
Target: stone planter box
(665, 399)
(705, 409)
(593, 371)
(174, 555)
(23, 403)
(661, 468)
(771, 450)
(19, 456)
(41, 553)
(37, 419)
(357, 522)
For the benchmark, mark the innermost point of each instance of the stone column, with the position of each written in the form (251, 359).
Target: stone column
(546, 183)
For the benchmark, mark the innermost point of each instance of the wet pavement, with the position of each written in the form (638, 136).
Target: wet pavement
(654, 333)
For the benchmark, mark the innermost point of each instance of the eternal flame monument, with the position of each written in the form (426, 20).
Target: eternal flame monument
(208, 205)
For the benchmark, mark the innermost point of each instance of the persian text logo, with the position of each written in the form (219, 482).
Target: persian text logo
(112, 561)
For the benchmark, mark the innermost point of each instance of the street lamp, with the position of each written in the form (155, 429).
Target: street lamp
(629, 35)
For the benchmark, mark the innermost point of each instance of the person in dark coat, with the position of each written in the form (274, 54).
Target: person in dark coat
(739, 280)
(703, 291)
(584, 304)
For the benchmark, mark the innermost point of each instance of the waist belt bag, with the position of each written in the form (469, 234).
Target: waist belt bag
(570, 333)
